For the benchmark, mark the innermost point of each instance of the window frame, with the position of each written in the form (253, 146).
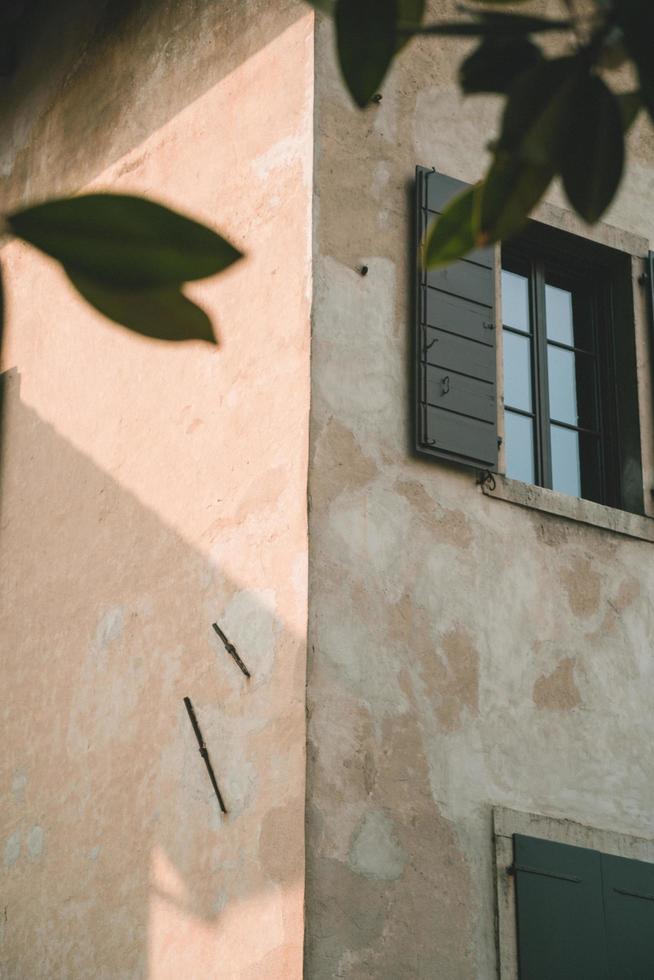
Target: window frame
(599, 270)
(508, 822)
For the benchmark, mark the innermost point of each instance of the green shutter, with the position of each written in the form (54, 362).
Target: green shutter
(629, 909)
(560, 914)
(455, 403)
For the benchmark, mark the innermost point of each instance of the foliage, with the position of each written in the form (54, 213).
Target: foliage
(560, 119)
(129, 257)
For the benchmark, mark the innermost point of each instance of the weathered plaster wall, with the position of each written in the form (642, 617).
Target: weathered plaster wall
(463, 651)
(148, 491)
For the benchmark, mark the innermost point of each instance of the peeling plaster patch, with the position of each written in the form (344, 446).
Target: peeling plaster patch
(94, 853)
(375, 851)
(18, 785)
(35, 839)
(582, 585)
(109, 629)
(628, 592)
(450, 674)
(280, 156)
(249, 622)
(450, 526)
(558, 691)
(237, 788)
(12, 849)
(342, 463)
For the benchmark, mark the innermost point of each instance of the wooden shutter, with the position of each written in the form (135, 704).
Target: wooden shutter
(455, 370)
(560, 913)
(629, 908)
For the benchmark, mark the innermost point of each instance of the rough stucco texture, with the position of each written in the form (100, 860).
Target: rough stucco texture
(463, 652)
(147, 492)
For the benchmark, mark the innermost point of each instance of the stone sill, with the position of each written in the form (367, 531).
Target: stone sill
(571, 508)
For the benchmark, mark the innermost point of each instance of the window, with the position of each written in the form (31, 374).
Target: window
(581, 914)
(568, 337)
(560, 372)
(573, 902)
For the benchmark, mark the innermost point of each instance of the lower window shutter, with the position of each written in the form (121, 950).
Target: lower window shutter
(455, 367)
(629, 905)
(560, 915)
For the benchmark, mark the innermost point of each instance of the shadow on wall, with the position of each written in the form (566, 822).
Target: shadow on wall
(117, 861)
(116, 74)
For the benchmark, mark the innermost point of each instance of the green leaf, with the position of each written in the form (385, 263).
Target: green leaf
(324, 6)
(496, 25)
(630, 105)
(409, 15)
(163, 313)
(510, 191)
(366, 38)
(453, 234)
(536, 116)
(123, 240)
(636, 19)
(496, 63)
(592, 155)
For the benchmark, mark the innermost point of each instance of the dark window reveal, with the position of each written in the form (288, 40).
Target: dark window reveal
(567, 416)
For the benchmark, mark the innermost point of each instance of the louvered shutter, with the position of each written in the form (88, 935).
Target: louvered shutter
(560, 913)
(629, 909)
(455, 369)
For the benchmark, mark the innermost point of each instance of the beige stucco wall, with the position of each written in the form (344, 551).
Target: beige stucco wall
(464, 652)
(148, 491)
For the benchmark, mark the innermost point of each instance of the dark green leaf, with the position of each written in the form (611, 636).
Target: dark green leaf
(453, 234)
(366, 37)
(124, 240)
(511, 189)
(536, 117)
(496, 25)
(496, 63)
(164, 313)
(325, 6)
(636, 18)
(592, 155)
(630, 105)
(409, 15)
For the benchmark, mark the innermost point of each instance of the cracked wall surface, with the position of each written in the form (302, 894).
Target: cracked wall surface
(464, 652)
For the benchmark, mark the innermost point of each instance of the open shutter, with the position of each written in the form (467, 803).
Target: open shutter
(455, 369)
(629, 907)
(560, 913)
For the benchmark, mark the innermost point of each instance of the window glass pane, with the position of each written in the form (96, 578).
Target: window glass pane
(558, 313)
(517, 371)
(566, 469)
(515, 301)
(563, 385)
(519, 446)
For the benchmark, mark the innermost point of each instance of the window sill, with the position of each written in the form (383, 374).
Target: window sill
(571, 508)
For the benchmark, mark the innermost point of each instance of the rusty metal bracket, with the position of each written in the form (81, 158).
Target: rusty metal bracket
(204, 752)
(231, 650)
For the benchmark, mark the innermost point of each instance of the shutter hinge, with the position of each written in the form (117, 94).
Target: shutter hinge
(546, 874)
(486, 479)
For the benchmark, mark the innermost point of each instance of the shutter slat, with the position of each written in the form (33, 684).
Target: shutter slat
(460, 354)
(455, 357)
(560, 914)
(459, 317)
(457, 393)
(467, 280)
